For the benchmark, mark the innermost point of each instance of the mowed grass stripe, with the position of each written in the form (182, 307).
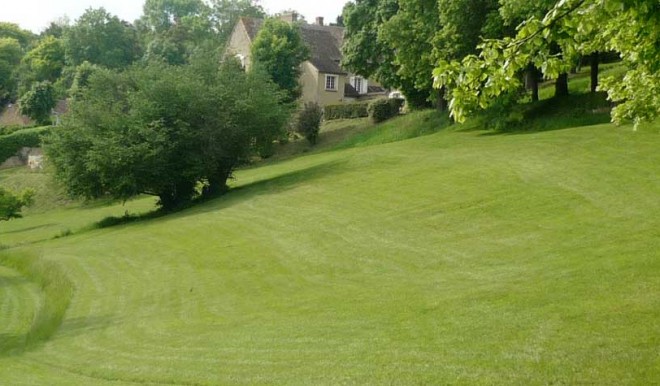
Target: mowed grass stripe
(19, 303)
(452, 258)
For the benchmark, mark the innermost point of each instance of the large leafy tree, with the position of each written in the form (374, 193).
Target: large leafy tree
(44, 62)
(630, 27)
(399, 41)
(13, 31)
(280, 50)
(225, 14)
(409, 34)
(101, 38)
(364, 50)
(515, 12)
(162, 130)
(174, 29)
(10, 58)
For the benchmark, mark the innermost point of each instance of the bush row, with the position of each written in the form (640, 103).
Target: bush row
(6, 130)
(346, 111)
(383, 109)
(379, 110)
(12, 143)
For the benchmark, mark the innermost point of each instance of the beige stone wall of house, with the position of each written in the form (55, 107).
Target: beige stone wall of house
(309, 80)
(330, 97)
(239, 44)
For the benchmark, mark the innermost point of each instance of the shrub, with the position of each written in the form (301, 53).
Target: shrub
(38, 102)
(12, 143)
(383, 109)
(6, 130)
(11, 204)
(309, 121)
(346, 111)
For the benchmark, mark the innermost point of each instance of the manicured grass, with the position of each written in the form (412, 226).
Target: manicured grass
(455, 257)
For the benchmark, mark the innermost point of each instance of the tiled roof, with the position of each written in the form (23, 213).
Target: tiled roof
(324, 43)
(252, 26)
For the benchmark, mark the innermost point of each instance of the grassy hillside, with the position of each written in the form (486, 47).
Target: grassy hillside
(456, 257)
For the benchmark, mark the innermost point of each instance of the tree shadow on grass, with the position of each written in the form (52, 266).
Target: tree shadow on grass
(552, 114)
(32, 228)
(275, 184)
(12, 281)
(17, 344)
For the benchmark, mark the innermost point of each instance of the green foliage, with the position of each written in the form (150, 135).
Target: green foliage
(39, 102)
(571, 27)
(6, 130)
(10, 57)
(280, 50)
(10, 144)
(225, 14)
(11, 204)
(346, 111)
(308, 122)
(383, 109)
(81, 77)
(102, 39)
(13, 31)
(364, 51)
(409, 34)
(162, 130)
(44, 62)
(175, 29)
(399, 42)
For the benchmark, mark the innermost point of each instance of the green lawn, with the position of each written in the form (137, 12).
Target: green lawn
(455, 257)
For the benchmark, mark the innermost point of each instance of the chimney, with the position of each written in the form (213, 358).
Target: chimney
(289, 17)
(319, 20)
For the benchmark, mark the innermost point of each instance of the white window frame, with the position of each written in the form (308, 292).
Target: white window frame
(360, 84)
(357, 84)
(331, 82)
(241, 58)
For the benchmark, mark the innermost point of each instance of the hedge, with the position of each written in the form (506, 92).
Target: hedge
(346, 111)
(383, 109)
(11, 144)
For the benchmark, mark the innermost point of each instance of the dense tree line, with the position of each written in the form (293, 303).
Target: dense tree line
(154, 107)
(169, 31)
(471, 53)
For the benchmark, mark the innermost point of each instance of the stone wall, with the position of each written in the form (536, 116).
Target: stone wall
(30, 156)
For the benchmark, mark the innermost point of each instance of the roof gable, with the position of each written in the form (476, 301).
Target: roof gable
(324, 43)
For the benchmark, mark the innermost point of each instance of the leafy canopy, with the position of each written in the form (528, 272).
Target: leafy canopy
(39, 102)
(10, 57)
(101, 38)
(11, 204)
(162, 130)
(280, 50)
(576, 27)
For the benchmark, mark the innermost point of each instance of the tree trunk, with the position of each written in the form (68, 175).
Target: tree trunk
(561, 85)
(532, 81)
(218, 183)
(595, 61)
(441, 103)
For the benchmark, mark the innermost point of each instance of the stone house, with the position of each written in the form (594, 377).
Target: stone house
(323, 80)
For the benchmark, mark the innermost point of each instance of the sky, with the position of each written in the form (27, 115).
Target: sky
(35, 15)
